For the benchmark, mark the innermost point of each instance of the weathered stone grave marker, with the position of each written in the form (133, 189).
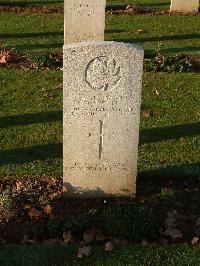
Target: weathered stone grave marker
(84, 20)
(102, 87)
(184, 6)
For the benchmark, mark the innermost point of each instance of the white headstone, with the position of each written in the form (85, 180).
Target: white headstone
(84, 20)
(102, 92)
(184, 6)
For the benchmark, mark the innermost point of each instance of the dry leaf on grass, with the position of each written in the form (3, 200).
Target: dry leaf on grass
(140, 31)
(92, 211)
(84, 252)
(19, 185)
(157, 92)
(146, 114)
(6, 56)
(68, 237)
(109, 246)
(144, 242)
(25, 68)
(33, 213)
(195, 241)
(2, 59)
(48, 210)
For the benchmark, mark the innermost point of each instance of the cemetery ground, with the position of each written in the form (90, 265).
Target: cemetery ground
(162, 225)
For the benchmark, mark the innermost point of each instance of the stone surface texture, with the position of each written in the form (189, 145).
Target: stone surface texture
(84, 20)
(102, 92)
(184, 6)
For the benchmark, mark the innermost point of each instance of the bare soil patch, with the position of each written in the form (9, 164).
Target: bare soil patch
(35, 208)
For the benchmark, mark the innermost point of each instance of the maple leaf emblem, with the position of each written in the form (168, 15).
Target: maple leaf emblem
(103, 73)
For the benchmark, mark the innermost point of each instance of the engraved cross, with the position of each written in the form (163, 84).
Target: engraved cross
(101, 139)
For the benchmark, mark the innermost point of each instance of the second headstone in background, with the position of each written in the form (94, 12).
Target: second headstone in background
(84, 20)
(185, 6)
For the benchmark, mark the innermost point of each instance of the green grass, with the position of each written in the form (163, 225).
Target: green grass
(129, 255)
(31, 123)
(164, 34)
(36, 32)
(49, 3)
(170, 137)
(110, 3)
(143, 3)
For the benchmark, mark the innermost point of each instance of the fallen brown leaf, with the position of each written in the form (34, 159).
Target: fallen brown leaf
(144, 242)
(19, 185)
(3, 59)
(157, 92)
(84, 252)
(109, 246)
(34, 214)
(194, 242)
(25, 68)
(146, 114)
(6, 56)
(140, 31)
(48, 210)
(68, 237)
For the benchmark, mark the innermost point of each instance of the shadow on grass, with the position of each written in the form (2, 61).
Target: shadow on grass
(167, 133)
(30, 154)
(115, 6)
(45, 34)
(28, 119)
(188, 49)
(29, 47)
(174, 171)
(146, 135)
(176, 177)
(114, 31)
(155, 4)
(54, 150)
(162, 38)
(31, 34)
(25, 3)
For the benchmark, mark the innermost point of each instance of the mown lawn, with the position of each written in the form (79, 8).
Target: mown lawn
(142, 3)
(32, 3)
(31, 123)
(161, 34)
(110, 3)
(154, 255)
